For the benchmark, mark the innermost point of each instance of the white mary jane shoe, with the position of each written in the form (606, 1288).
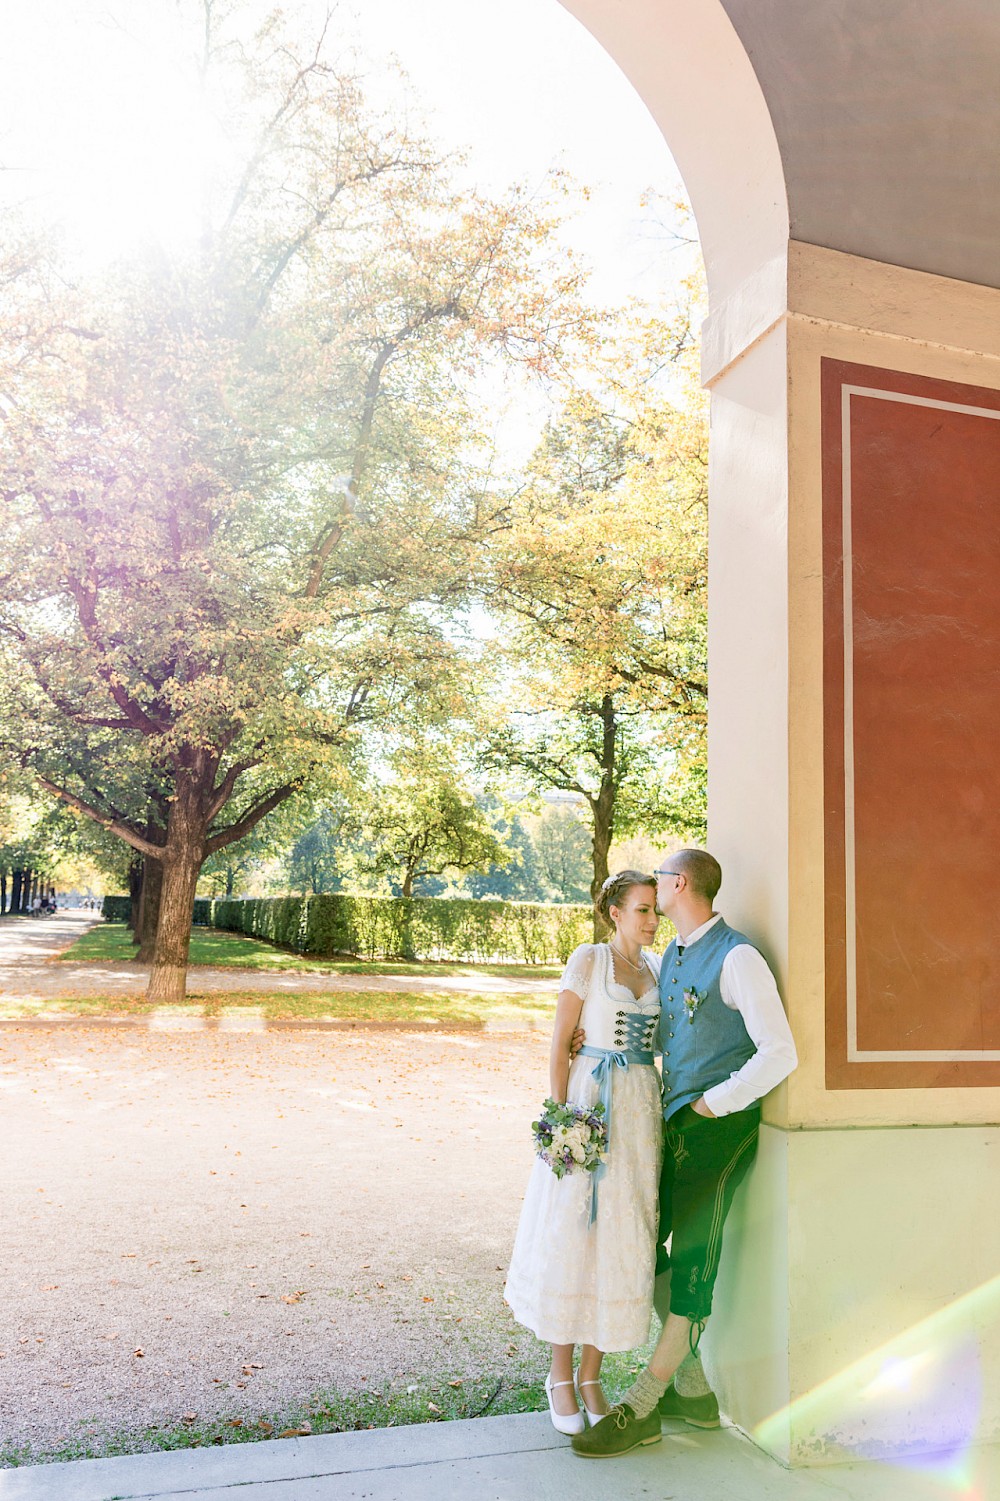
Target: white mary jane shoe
(592, 1416)
(570, 1422)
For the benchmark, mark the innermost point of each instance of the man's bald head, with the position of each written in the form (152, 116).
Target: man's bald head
(701, 870)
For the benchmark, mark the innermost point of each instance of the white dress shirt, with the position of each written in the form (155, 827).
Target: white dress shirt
(748, 987)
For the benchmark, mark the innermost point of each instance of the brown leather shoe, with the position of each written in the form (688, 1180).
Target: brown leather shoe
(699, 1412)
(619, 1433)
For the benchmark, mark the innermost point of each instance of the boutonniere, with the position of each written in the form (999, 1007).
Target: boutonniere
(692, 1000)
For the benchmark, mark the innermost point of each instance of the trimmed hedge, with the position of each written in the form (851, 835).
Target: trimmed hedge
(277, 919)
(116, 909)
(418, 928)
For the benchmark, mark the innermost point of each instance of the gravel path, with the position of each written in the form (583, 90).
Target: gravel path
(30, 969)
(260, 1215)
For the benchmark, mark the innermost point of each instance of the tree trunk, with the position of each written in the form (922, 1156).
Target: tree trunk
(230, 881)
(26, 890)
(136, 893)
(602, 808)
(168, 976)
(3, 893)
(149, 910)
(183, 857)
(601, 843)
(16, 878)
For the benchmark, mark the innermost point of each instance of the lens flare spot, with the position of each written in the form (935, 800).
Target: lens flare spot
(896, 1376)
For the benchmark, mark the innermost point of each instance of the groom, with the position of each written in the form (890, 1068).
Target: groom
(725, 1042)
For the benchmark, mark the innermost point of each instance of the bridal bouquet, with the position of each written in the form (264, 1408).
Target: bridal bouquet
(570, 1138)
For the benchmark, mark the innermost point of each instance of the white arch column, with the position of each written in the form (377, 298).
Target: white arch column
(853, 629)
(854, 658)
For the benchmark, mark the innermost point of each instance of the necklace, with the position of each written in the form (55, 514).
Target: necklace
(639, 968)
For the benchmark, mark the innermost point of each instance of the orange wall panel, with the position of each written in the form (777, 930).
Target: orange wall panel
(911, 497)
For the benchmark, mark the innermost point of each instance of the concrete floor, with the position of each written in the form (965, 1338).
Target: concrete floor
(489, 1459)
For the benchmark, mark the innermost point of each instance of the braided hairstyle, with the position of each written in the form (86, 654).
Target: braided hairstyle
(616, 888)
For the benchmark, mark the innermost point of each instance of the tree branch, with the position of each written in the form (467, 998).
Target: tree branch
(86, 610)
(249, 820)
(224, 791)
(114, 825)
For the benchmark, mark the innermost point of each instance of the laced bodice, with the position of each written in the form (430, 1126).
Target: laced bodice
(612, 1017)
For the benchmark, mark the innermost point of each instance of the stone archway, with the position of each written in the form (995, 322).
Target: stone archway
(841, 159)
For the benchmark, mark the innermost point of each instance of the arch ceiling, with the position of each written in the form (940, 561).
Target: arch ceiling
(884, 115)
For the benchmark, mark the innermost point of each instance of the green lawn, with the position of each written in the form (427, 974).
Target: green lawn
(441, 1007)
(112, 941)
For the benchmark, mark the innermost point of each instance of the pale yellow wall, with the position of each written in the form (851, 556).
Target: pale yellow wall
(851, 1256)
(865, 1214)
(915, 316)
(765, 604)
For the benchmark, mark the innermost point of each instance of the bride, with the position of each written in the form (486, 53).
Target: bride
(578, 1278)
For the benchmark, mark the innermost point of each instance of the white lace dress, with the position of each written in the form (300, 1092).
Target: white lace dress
(569, 1281)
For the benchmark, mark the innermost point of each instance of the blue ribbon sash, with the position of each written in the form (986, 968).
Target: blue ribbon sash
(607, 1061)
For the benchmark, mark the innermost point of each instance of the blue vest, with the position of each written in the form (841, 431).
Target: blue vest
(702, 1040)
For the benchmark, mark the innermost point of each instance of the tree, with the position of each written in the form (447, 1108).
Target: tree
(600, 577)
(40, 843)
(424, 823)
(521, 878)
(223, 873)
(233, 478)
(316, 861)
(562, 851)
(26, 846)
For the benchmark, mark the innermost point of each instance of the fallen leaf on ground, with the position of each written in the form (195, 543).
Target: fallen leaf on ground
(433, 1407)
(138, 1351)
(301, 1432)
(265, 1427)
